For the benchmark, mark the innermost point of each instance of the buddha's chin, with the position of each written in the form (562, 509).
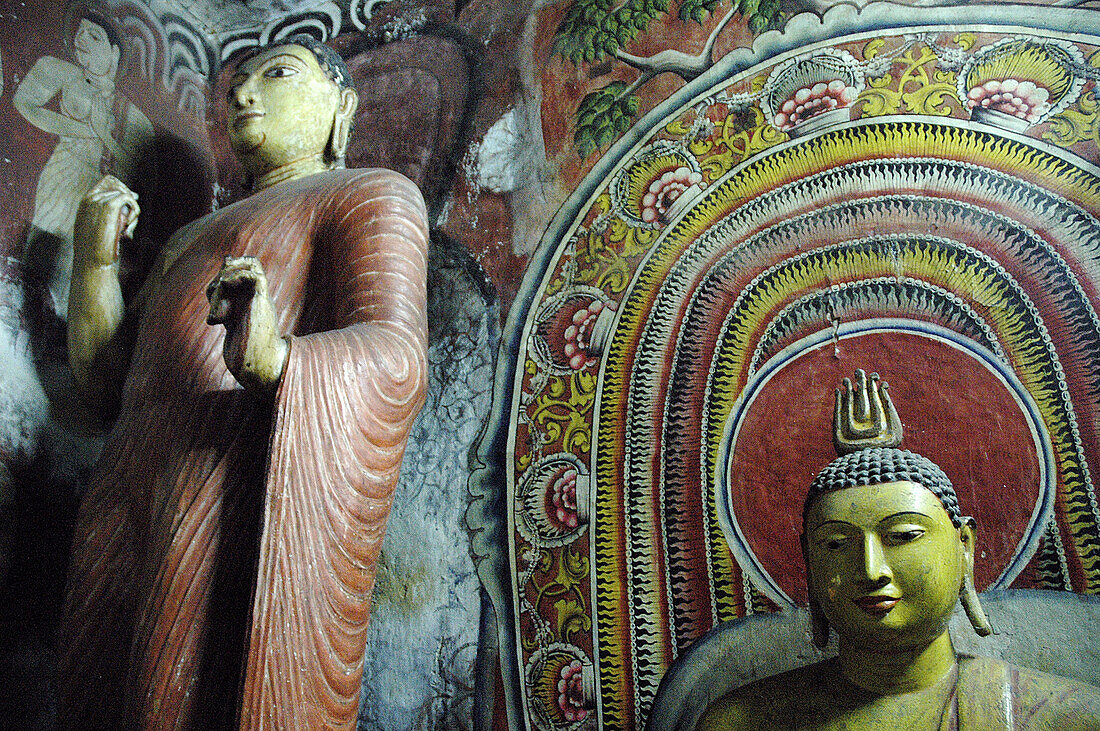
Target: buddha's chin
(247, 142)
(891, 633)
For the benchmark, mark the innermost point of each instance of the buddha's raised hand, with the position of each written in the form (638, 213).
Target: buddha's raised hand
(107, 213)
(254, 352)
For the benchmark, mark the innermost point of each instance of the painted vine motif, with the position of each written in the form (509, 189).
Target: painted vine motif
(593, 31)
(627, 310)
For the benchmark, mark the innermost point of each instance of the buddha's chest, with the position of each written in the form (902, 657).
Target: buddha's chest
(931, 709)
(175, 343)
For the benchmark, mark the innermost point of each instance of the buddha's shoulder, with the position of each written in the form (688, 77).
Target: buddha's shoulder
(371, 176)
(1043, 700)
(778, 701)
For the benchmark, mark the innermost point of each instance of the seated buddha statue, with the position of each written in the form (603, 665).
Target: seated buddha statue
(888, 554)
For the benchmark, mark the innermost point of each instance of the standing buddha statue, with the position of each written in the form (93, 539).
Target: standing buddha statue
(224, 552)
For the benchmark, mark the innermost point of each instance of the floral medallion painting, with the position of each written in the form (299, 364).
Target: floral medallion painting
(912, 191)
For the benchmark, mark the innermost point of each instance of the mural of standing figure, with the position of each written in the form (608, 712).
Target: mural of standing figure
(100, 131)
(224, 554)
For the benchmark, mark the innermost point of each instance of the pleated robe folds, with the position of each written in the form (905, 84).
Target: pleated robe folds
(225, 551)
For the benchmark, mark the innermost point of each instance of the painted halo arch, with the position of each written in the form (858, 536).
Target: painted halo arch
(1040, 515)
(489, 516)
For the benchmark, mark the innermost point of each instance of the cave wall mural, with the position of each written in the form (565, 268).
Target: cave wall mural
(912, 191)
(662, 230)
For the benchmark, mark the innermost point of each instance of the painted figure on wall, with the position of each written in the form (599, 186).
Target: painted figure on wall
(888, 554)
(100, 131)
(224, 554)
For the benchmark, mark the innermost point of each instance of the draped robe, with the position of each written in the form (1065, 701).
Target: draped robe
(984, 694)
(224, 552)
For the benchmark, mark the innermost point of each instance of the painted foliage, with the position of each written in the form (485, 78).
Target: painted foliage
(912, 191)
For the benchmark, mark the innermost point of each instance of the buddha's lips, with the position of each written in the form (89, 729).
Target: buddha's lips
(240, 119)
(876, 604)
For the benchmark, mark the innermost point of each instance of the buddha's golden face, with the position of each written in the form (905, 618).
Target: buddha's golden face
(885, 563)
(281, 108)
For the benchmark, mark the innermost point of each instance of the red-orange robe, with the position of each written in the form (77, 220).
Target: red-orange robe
(224, 553)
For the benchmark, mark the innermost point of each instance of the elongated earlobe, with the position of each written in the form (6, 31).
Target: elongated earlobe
(973, 608)
(819, 625)
(968, 595)
(341, 127)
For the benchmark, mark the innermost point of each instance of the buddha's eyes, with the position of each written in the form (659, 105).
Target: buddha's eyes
(278, 71)
(835, 542)
(896, 535)
(902, 534)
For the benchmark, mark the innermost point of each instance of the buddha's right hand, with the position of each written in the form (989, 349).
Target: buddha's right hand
(254, 352)
(107, 213)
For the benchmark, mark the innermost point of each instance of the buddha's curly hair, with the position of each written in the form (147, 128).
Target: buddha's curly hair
(329, 60)
(880, 465)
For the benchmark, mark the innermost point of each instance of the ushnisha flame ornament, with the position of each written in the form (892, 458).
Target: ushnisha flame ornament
(864, 415)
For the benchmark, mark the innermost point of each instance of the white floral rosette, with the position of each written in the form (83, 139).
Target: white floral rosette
(1019, 82)
(808, 93)
(561, 685)
(552, 501)
(571, 330)
(657, 185)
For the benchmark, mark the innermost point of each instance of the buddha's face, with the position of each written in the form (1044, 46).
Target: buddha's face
(281, 108)
(93, 50)
(885, 563)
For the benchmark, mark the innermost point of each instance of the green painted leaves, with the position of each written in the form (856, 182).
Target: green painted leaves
(594, 29)
(697, 10)
(602, 116)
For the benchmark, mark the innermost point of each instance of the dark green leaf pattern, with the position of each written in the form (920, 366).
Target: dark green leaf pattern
(593, 30)
(602, 116)
(697, 10)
